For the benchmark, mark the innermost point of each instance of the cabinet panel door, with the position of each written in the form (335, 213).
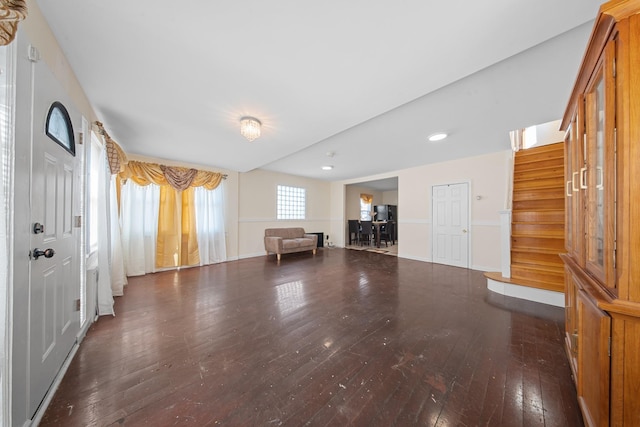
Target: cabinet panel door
(594, 367)
(571, 319)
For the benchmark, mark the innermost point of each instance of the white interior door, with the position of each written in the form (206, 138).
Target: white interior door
(450, 204)
(54, 275)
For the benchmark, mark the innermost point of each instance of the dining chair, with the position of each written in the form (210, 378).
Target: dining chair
(388, 233)
(366, 232)
(354, 230)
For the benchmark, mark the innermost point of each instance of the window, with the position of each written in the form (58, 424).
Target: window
(58, 127)
(291, 202)
(366, 201)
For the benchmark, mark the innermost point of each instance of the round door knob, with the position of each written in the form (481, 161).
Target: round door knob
(47, 253)
(464, 230)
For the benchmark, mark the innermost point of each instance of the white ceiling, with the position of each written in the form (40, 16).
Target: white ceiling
(366, 80)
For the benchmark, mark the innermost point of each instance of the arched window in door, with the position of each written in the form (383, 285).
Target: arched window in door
(58, 127)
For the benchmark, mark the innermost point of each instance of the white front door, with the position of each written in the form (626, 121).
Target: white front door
(451, 224)
(53, 267)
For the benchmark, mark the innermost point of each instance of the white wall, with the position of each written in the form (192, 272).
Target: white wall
(257, 208)
(488, 178)
(549, 133)
(390, 197)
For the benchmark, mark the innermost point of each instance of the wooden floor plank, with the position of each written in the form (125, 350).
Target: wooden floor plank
(341, 338)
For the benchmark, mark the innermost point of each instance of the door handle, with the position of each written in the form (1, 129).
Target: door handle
(583, 178)
(464, 230)
(47, 253)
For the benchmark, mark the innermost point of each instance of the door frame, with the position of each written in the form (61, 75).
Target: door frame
(433, 223)
(7, 155)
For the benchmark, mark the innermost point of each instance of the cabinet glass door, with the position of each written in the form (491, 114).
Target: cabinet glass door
(568, 171)
(595, 174)
(600, 174)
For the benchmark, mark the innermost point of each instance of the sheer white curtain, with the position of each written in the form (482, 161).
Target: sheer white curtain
(118, 274)
(210, 224)
(139, 217)
(105, 293)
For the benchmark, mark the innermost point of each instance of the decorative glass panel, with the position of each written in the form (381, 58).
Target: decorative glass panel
(569, 143)
(58, 127)
(597, 254)
(291, 202)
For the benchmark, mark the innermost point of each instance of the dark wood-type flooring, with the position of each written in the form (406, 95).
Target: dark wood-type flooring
(344, 338)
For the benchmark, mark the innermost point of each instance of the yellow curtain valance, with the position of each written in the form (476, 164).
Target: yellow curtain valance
(11, 12)
(177, 177)
(367, 198)
(115, 154)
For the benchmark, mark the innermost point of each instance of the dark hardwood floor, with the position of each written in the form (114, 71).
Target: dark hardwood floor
(342, 338)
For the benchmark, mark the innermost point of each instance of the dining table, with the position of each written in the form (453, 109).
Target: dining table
(378, 225)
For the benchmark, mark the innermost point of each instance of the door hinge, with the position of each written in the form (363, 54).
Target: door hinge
(77, 305)
(80, 138)
(77, 221)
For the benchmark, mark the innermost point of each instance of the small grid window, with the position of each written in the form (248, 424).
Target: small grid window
(291, 202)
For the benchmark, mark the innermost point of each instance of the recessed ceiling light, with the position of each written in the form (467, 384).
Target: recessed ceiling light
(439, 136)
(327, 168)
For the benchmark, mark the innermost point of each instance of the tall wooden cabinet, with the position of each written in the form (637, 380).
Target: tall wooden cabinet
(602, 263)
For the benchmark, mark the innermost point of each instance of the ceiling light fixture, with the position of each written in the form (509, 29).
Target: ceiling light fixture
(439, 136)
(250, 128)
(327, 168)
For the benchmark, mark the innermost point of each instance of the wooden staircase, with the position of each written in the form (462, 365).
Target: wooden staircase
(537, 224)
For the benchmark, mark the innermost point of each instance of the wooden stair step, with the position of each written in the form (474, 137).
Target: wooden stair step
(539, 250)
(539, 284)
(533, 151)
(524, 156)
(538, 194)
(544, 215)
(552, 229)
(542, 204)
(539, 183)
(552, 150)
(534, 163)
(536, 258)
(497, 276)
(538, 173)
(547, 274)
(544, 160)
(531, 242)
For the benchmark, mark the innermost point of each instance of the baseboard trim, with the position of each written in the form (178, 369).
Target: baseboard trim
(524, 292)
(414, 258)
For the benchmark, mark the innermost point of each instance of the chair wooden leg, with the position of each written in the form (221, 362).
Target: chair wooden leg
(278, 255)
